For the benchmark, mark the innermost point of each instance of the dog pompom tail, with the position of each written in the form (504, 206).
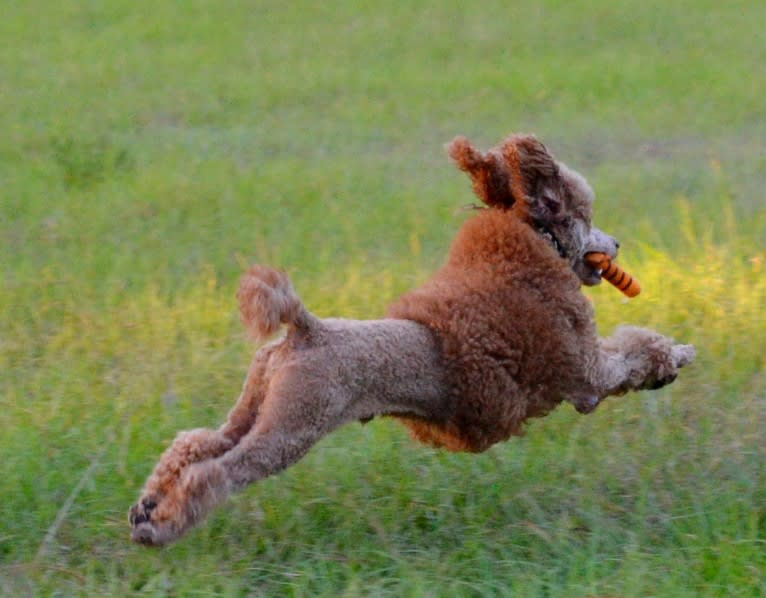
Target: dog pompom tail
(267, 300)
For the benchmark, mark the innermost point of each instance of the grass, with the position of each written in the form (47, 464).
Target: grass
(150, 151)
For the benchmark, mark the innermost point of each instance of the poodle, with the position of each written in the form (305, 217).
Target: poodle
(500, 334)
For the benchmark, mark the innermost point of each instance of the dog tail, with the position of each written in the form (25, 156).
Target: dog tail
(267, 300)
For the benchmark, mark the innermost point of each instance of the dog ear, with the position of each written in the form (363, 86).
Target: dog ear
(534, 176)
(491, 181)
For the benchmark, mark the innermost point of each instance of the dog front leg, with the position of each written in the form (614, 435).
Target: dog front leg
(637, 359)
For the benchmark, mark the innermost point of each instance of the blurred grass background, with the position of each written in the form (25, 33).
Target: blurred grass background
(150, 151)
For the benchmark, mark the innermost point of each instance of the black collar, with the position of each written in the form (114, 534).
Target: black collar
(548, 234)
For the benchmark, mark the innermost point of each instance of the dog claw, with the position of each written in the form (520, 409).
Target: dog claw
(134, 516)
(137, 518)
(587, 405)
(141, 512)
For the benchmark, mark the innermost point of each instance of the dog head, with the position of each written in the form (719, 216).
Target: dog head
(520, 175)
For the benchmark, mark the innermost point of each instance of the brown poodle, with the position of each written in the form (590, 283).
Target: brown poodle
(500, 334)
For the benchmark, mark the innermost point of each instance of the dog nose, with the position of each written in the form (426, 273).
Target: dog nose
(616, 243)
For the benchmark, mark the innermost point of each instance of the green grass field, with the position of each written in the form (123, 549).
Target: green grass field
(151, 150)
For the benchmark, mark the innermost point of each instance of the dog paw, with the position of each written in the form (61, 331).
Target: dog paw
(155, 524)
(158, 520)
(679, 356)
(142, 510)
(683, 355)
(146, 534)
(140, 518)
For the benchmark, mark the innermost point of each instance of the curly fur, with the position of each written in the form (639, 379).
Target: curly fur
(501, 303)
(500, 334)
(267, 300)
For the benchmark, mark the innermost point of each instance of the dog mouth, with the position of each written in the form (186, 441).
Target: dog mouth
(547, 233)
(591, 270)
(589, 275)
(592, 276)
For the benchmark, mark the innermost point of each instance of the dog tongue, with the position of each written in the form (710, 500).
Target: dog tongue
(613, 273)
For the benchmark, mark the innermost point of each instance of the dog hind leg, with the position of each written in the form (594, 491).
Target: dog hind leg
(194, 446)
(287, 428)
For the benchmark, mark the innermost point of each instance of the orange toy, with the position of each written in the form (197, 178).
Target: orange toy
(613, 273)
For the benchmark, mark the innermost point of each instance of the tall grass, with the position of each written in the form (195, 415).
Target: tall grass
(606, 502)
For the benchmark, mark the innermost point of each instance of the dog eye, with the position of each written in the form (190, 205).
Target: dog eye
(551, 202)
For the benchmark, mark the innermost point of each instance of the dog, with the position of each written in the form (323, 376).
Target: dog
(500, 334)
